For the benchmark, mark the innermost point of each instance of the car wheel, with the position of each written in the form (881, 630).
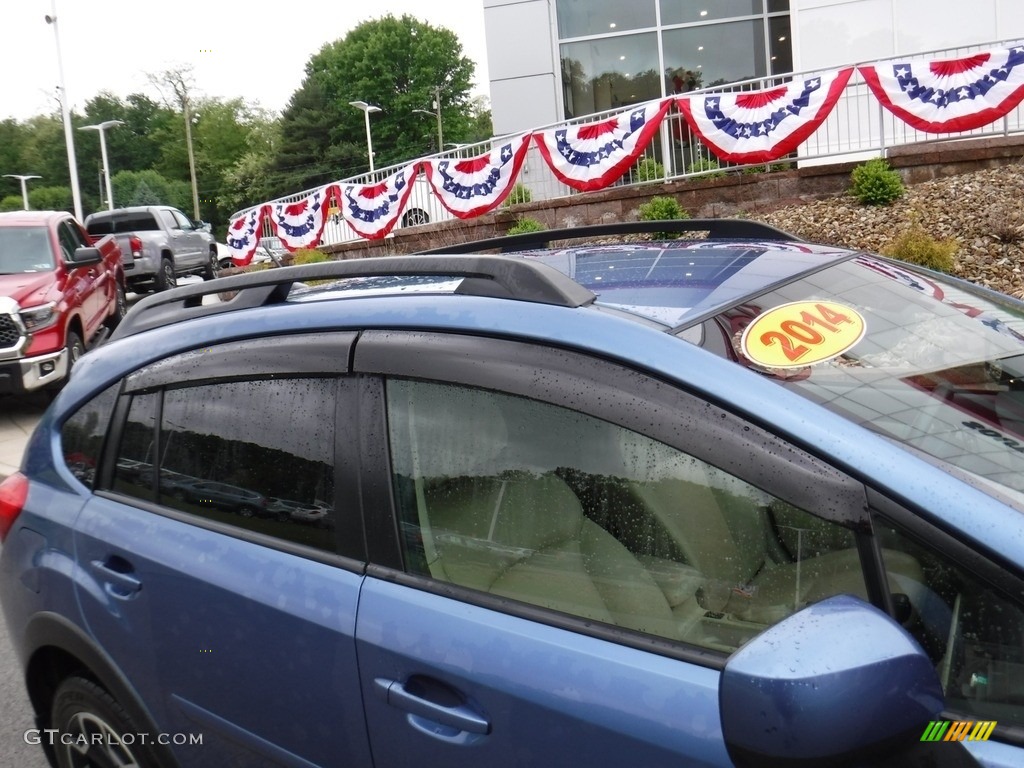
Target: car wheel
(121, 308)
(246, 511)
(91, 724)
(212, 266)
(76, 348)
(165, 277)
(415, 217)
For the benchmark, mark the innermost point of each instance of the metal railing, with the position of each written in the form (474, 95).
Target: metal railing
(857, 128)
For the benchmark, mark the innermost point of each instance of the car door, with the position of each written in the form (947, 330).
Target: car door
(90, 285)
(577, 550)
(235, 628)
(196, 250)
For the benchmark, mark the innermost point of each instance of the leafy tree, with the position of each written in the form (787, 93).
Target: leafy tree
(11, 203)
(50, 199)
(393, 63)
(150, 188)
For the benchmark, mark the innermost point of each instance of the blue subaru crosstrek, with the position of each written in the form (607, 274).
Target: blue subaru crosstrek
(731, 499)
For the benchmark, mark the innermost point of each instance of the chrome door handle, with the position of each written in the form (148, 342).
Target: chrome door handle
(460, 717)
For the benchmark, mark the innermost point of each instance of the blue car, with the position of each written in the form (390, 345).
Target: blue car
(725, 498)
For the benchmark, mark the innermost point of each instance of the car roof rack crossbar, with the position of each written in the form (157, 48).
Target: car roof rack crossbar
(717, 229)
(482, 275)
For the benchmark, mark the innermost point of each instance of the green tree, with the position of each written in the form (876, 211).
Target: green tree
(393, 63)
(11, 203)
(50, 199)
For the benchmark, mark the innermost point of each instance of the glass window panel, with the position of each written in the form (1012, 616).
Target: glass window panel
(778, 6)
(606, 74)
(780, 45)
(543, 505)
(254, 454)
(973, 634)
(686, 11)
(580, 18)
(717, 54)
(81, 437)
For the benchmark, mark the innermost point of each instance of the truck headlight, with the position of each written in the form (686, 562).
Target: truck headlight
(37, 318)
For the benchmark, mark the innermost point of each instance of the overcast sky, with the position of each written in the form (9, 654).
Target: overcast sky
(235, 47)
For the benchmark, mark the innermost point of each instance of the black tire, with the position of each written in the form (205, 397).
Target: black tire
(246, 511)
(121, 308)
(415, 217)
(88, 719)
(212, 266)
(76, 348)
(165, 277)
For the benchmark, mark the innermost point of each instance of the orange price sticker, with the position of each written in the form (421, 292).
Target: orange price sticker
(802, 333)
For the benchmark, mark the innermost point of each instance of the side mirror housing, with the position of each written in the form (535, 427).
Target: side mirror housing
(832, 684)
(86, 255)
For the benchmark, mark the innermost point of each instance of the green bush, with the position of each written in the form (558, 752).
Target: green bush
(918, 247)
(519, 194)
(875, 183)
(663, 209)
(708, 167)
(525, 224)
(309, 256)
(649, 169)
(12, 203)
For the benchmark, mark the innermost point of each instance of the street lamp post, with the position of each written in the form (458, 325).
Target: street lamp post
(367, 109)
(101, 128)
(191, 157)
(436, 114)
(24, 187)
(65, 109)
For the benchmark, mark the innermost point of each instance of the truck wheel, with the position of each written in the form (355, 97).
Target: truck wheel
(76, 348)
(120, 308)
(91, 724)
(165, 277)
(212, 266)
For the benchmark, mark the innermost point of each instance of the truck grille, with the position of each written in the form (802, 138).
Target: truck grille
(9, 333)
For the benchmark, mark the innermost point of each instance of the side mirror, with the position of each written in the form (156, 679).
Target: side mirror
(836, 683)
(203, 226)
(86, 255)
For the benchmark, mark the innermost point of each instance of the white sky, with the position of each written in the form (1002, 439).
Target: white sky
(247, 48)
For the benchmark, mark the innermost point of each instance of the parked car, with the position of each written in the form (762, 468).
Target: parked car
(163, 242)
(60, 295)
(312, 513)
(224, 496)
(732, 500)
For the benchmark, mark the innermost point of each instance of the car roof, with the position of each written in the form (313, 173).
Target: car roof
(30, 218)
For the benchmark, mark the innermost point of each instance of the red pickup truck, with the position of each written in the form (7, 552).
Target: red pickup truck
(60, 294)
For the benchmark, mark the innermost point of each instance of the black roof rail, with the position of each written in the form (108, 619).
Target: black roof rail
(717, 229)
(495, 276)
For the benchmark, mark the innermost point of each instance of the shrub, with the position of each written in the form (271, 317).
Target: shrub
(708, 167)
(663, 209)
(309, 256)
(649, 169)
(875, 183)
(520, 194)
(918, 247)
(525, 224)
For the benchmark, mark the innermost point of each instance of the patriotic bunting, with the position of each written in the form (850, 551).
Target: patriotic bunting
(244, 235)
(372, 210)
(591, 156)
(952, 95)
(761, 126)
(474, 186)
(300, 224)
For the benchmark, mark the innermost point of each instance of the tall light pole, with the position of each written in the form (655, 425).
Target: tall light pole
(65, 109)
(367, 109)
(102, 128)
(437, 110)
(24, 187)
(191, 157)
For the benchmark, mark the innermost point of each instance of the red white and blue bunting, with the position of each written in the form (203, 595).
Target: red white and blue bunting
(474, 186)
(761, 126)
(243, 235)
(301, 223)
(372, 210)
(592, 156)
(951, 95)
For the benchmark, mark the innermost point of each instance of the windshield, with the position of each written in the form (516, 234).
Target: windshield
(25, 249)
(932, 363)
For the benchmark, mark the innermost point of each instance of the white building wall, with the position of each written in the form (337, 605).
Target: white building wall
(830, 33)
(522, 59)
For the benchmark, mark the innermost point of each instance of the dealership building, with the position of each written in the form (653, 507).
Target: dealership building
(554, 60)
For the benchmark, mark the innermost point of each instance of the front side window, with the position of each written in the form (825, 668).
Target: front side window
(537, 503)
(973, 633)
(258, 455)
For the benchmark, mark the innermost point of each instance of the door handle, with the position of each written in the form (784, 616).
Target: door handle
(459, 717)
(118, 575)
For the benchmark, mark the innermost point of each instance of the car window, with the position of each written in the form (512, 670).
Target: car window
(257, 455)
(973, 633)
(538, 503)
(169, 221)
(81, 437)
(183, 221)
(25, 249)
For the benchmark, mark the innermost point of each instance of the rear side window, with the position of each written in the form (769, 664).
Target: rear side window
(256, 455)
(136, 222)
(81, 437)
